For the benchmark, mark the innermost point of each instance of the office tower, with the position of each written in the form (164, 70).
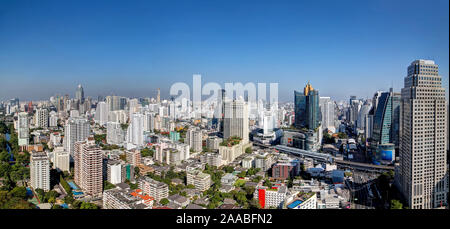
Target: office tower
(116, 102)
(42, 118)
(61, 159)
(386, 126)
(14, 102)
(327, 109)
(172, 110)
(363, 113)
(135, 132)
(79, 94)
(423, 137)
(101, 113)
(23, 129)
(114, 133)
(76, 129)
(40, 171)
(221, 108)
(307, 111)
(158, 96)
(236, 120)
(88, 167)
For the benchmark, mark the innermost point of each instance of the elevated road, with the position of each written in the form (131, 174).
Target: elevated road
(363, 166)
(327, 158)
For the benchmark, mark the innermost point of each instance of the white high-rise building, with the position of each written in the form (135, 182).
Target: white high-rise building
(61, 159)
(422, 175)
(327, 109)
(101, 113)
(23, 126)
(42, 118)
(119, 116)
(53, 119)
(40, 171)
(149, 121)
(76, 129)
(114, 174)
(114, 133)
(194, 139)
(236, 119)
(135, 133)
(363, 113)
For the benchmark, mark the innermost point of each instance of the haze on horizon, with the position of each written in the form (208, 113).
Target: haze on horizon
(132, 48)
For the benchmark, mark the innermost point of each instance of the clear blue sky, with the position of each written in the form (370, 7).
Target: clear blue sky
(130, 48)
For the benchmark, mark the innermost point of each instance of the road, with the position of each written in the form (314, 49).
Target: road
(364, 193)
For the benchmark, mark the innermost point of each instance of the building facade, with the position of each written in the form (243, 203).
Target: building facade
(422, 175)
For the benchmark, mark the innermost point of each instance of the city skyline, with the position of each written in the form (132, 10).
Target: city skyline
(132, 49)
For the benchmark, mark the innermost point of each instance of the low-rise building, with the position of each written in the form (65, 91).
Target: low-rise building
(271, 197)
(118, 198)
(201, 181)
(157, 190)
(303, 201)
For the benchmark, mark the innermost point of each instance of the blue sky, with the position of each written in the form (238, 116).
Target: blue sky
(130, 48)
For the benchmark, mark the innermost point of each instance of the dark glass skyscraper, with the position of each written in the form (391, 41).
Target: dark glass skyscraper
(307, 110)
(386, 123)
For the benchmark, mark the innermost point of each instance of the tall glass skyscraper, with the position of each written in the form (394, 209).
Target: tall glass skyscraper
(307, 110)
(79, 94)
(386, 128)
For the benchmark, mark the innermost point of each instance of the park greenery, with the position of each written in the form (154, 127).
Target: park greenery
(15, 198)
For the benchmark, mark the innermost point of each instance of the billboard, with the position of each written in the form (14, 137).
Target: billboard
(387, 152)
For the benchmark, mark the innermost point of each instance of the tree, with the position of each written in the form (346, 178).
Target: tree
(228, 169)
(254, 204)
(164, 201)
(56, 206)
(107, 185)
(248, 150)
(146, 152)
(19, 192)
(395, 204)
(136, 170)
(86, 205)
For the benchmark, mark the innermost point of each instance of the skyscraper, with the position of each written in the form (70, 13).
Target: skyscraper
(327, 109)
(158, 96)
(422, 173)
(79, 94)
(42, 118)
(135, 132)
(76, 129)
(101, 113)
(307, 111)
(89, 167)
(23, 128)
(386, 121)
(236, 120)
(221, 108)
(116, 102)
